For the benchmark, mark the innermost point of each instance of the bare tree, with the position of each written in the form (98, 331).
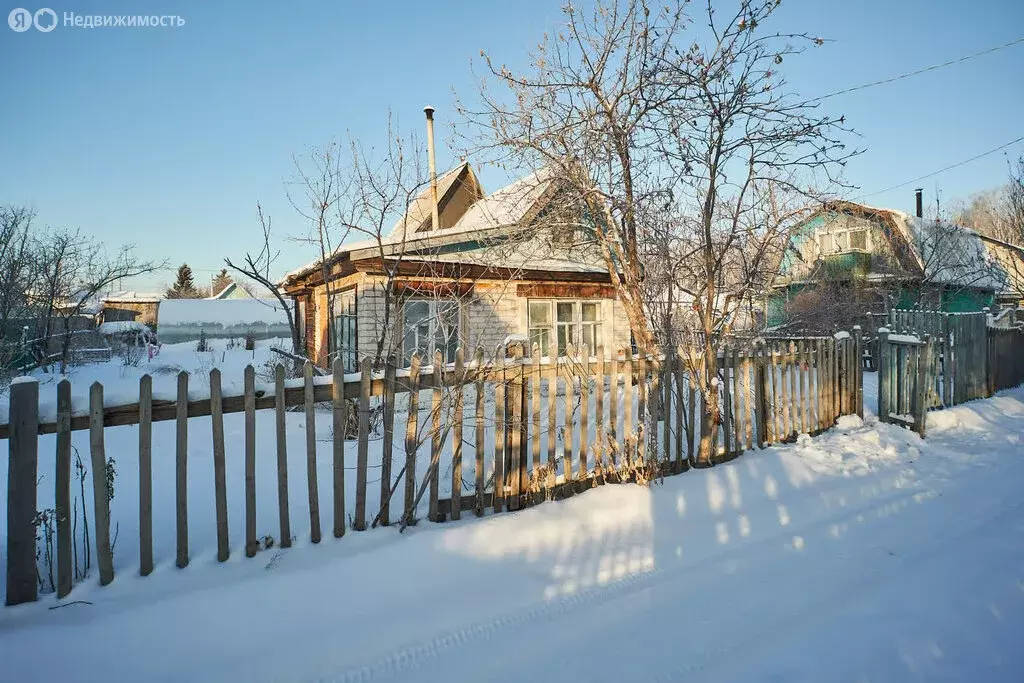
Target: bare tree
(680, 143)
(998, 213)
(16, 267)
(72, 270)
(257, 267)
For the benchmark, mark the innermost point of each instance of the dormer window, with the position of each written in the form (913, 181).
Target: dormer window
(842, 241)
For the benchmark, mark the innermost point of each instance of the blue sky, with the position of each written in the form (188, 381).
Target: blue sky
(167, 137)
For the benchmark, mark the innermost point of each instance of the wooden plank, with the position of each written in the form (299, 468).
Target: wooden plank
(776, 404)
(803, 370)
(436, 442)
(667, 377)
(761, 391)
(726, 403)
(219, 476)
(339, 425)
(748, 397)
(251, 544)
(535, 380)
(920, 406)
(460, 373)
(62, 491)
(817, 397)
(680, 428)
(499, 438)
(584, 470)
(627, 410)
(785, 387)
(22, 478)
(311, 468)
(834, 378)
(613, 411)
(144, 474)
(599, 424)
(884, 375)
(947, 362)
(568, 451)
(515, 446)
(412, 440)
(691, 415)
(181, 468)
(858, 372)
(386, 451)
(737, 400)
(283, 514)
(479, 450)
(363, 446)
(641, 407)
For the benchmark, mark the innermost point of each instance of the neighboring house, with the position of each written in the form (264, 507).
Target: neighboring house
(232, 291)
(507, 264)
(130, 305)
(897, 259)
(1011, 259)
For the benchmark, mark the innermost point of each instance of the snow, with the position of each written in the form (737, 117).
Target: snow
(904, 339)
(841, 334)
(122, 327)
(863, 554)
(224, 312)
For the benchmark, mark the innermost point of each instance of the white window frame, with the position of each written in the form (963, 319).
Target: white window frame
(346, 328)
(838, 241)
(435, 327)
(577, 330)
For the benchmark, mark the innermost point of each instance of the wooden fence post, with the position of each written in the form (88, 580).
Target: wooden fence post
(220, 493)
(436, 442)
(311, 481)
(947, 363)
(339, 427)
(986, 367)
(921, 386)
(62, 494)
(100, 488)
(412, 440)
(761, 400)
(181, 468)
(388, 443)
(858, 371)
(145, 472)
(283, 511)
(460, 381)
(479, 423)
(362, 452)
(249, 404)
(22, 475)
(884, 387)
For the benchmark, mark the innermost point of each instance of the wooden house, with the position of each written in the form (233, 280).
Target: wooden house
(891, 259)
(496, 266)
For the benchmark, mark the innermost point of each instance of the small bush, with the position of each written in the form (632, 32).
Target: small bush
(250, 341)
(202, 345)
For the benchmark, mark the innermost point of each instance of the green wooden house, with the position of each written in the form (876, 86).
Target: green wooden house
(875, 259)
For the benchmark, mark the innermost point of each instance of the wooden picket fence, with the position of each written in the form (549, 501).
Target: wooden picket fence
(959, 351)
(1005, 358)
(906, 378)
(624, 418)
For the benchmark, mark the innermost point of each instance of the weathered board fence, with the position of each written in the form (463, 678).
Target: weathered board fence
(959, 353)
(931, 360)
(621, 418)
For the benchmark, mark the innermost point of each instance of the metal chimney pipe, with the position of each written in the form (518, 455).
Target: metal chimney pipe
(436, 223)
(919, 195)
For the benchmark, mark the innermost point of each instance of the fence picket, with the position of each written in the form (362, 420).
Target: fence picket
(514, 458)
(362, 451)
(479, 444)
(100, 486)
(584, 410)
(412, 442)
(535, 379)
(22, 498)
(339, 427)
(613, 411)
(460, 379)
(283, 514)
(311, 483)
(219, 476)
(62, 491)
(181, 465)
(498, 499)
(387, 446)
(145, 471)
(599, 424)
(627, 409)
(250, 461)
(568, 451)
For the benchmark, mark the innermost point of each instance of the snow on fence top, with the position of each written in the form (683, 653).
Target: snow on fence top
(122, 327)
(224, 312)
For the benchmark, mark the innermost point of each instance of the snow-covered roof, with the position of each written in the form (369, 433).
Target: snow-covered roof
(131, 296)
(485, 218)
(421, 207)
(227, 291)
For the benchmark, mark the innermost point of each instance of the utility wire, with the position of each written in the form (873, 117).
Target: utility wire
(919, 71)
(947, 168)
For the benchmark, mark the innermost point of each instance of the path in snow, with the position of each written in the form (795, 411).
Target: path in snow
(865, 554)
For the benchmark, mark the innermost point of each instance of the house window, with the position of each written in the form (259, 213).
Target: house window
(345, 344)
(429, 325)
(841, 241)
(555, 324)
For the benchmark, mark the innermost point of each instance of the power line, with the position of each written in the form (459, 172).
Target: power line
(919, 71)
(947, 168)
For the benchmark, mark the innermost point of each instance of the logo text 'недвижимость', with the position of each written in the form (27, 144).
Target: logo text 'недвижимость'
(45, 20)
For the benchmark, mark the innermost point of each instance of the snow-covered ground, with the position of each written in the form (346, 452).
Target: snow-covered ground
(865, 554)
